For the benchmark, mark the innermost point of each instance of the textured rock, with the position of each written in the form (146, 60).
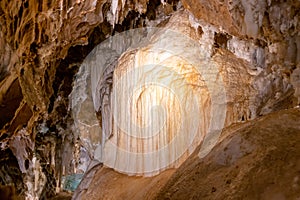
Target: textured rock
(214, 82)
(42, 45)
(38, 36)
(11, 99)
(7, 192)
(252, 18)
(178, 89)
(86, 125)
(255, 160)
(268, 33)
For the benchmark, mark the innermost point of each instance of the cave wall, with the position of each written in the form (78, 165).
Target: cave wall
(43, 43)
(268, 34)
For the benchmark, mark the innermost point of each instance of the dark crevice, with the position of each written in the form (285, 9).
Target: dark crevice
(243, 118)
(26, 4)
(221, 40)
(40, 6)
(15, 24)
(10, 173)
(68, 68)
(51, 103)
(20, 13)
(3, 73)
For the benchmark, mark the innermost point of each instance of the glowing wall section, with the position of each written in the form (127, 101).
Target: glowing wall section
(161, 92)
(160, 108)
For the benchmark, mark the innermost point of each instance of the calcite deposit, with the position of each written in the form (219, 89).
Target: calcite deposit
(76, 98)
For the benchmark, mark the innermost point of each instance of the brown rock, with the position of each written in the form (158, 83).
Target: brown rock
(255, 160)
(7, 193)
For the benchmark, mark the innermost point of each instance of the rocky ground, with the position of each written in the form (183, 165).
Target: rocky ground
(255, 160)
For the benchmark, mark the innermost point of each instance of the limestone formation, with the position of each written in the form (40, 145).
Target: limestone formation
(58, 115)
(164, 99)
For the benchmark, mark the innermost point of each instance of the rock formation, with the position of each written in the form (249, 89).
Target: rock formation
(255, 160)
(58, 114)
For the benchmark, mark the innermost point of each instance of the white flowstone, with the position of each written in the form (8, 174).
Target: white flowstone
(168, 95)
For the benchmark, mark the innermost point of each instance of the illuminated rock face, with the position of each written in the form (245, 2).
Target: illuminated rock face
(169, 94)
(159, 110)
